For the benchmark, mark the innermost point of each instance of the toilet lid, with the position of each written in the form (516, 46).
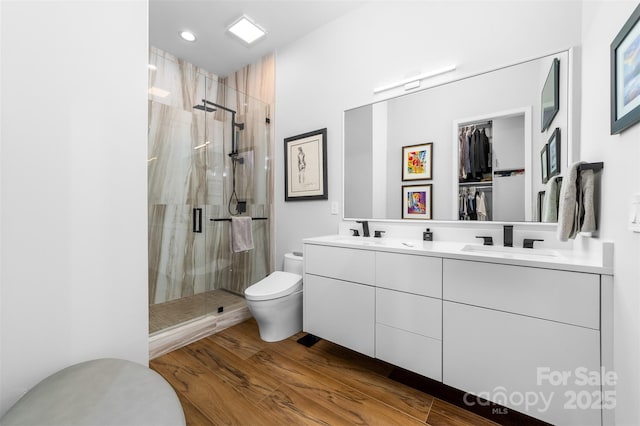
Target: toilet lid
(278, 284)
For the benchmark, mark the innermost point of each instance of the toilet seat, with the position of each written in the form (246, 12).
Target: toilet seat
(278, 284)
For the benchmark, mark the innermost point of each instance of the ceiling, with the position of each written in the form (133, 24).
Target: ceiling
(219, 52)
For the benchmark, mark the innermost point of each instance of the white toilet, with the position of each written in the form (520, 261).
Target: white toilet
(276, 301)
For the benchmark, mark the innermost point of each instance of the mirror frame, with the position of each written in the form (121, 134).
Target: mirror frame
(573, 148)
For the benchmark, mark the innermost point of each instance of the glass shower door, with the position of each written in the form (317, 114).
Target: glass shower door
(249, 184)
(177, 232)
(192, 271)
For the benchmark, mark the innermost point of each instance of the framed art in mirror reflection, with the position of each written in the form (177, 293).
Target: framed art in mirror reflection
(417, 162)
(417, 202)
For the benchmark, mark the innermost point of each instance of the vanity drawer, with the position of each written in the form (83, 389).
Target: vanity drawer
(416, 314)
(340, 311)
(568, 297)
(413, 352)
(340, 263)
(410, 273)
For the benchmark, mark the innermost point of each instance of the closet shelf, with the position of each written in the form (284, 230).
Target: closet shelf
(229, 219)
(479, 183)
(507, 172)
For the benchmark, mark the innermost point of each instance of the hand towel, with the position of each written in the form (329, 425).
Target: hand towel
(550, 209)
(241, 234)
(567, 208)
(587, 183)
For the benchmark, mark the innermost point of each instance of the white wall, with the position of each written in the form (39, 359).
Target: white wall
(360, 172)
(620, 179)
(508, 144)
(73, 236)
(337, 66)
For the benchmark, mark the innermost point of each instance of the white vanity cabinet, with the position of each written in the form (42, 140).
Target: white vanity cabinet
(339, 296)
(531, 336)
(409, 312)
(524, 337)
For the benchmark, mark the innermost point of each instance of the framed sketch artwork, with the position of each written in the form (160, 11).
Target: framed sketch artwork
(625, 75)
(417, 161)
(305, 159)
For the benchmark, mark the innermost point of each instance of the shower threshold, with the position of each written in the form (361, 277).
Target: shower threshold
(172, 325)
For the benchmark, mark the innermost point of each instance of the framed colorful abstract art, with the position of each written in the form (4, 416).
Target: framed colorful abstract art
(417, 161)
(416, 202)
(625, 75)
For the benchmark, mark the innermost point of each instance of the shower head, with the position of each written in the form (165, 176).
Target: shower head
(204, 108)
(240, 126)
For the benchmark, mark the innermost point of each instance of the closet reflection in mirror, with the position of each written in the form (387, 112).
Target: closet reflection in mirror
(497, 106)
(491, 167)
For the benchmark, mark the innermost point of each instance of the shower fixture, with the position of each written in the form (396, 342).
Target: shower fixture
(204, 108)
(241, 206)
(234, 125)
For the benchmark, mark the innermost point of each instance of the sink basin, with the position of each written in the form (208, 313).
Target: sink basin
(512, 252)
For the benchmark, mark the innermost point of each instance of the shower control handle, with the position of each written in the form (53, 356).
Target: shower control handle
(197, 220)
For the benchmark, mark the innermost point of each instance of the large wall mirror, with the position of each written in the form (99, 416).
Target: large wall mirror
(485, 140)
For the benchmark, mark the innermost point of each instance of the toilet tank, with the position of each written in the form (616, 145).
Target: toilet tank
(293, 263)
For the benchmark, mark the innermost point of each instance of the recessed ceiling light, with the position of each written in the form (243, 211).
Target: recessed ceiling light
(188, 36)
(246, 30)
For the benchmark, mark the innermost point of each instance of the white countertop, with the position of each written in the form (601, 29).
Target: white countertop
(567, 260)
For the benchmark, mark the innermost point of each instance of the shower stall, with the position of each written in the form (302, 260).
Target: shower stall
(208, 160)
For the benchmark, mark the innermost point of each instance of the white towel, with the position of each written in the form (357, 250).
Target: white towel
(550, 209)
(587, 183)
(567, 205)
(241, 234)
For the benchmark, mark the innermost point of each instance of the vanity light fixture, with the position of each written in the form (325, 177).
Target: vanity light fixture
(414, 82)
(188, 36)
(246, 30)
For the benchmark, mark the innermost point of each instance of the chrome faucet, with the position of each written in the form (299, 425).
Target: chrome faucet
(365, 227)
(508, 236)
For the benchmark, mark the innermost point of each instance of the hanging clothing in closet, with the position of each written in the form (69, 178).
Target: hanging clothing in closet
(474, 204)
(481, 206)
(474, 154)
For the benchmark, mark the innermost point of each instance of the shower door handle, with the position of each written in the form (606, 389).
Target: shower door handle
(197, 220)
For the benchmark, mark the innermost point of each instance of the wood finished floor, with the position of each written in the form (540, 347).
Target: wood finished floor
(233, 377)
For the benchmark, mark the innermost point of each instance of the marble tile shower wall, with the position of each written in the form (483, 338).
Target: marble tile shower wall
(188, 167)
